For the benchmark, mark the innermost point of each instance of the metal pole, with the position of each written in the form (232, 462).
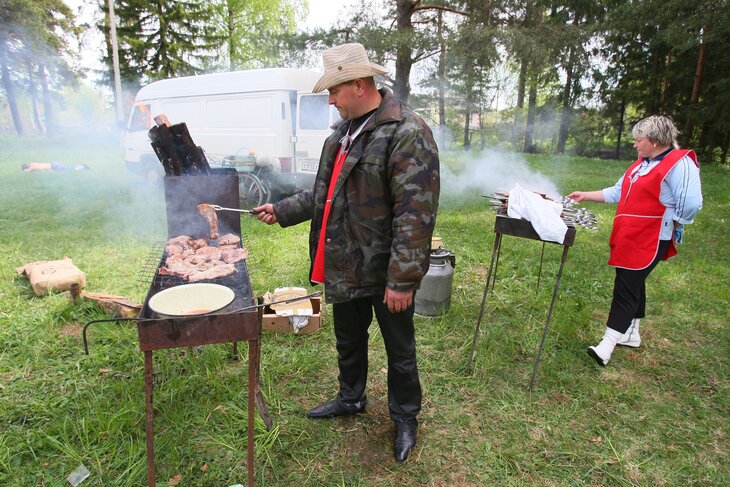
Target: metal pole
(496, 263)
(495, 253)
(115, 62)
(150, 417)
(550, 313)
(253, 357)
(539, 271)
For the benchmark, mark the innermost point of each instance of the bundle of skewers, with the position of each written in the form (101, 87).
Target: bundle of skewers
(572, 214)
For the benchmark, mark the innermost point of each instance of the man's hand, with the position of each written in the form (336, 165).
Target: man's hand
(398, 301)
(265, 213)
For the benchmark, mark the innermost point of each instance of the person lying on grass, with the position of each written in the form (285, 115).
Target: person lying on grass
(52, 166)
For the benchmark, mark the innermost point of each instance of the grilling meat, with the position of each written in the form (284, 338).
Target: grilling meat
(195, 260)
(229, 239)
(208, 213)
(234, 255)
(220, 270)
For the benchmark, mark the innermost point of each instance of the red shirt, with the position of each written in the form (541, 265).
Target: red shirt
(318, 267)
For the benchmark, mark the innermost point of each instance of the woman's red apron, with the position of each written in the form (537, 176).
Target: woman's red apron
(636, 228)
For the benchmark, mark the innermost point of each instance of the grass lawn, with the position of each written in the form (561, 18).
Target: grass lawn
(657, 415)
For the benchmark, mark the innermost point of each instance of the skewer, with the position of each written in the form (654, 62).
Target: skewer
(221, 208)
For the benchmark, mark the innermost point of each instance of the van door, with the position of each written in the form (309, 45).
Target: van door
(314, 119)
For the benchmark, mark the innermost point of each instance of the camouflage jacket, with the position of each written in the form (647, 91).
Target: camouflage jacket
(383, 208)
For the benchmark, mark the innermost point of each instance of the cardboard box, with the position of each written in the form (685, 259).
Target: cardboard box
(52, 275)
(280, 324)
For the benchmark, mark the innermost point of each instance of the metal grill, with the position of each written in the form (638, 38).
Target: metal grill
(517, 227)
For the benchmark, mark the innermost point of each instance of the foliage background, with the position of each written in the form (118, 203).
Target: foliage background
(537, 76)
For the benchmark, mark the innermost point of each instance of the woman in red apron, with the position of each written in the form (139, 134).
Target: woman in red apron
(659, 194)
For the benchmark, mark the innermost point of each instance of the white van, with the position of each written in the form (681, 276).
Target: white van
(269, 116)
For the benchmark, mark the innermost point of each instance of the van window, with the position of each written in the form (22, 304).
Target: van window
(314, 112)
(140, 118)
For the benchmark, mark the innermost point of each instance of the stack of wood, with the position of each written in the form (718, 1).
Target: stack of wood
(176, 150)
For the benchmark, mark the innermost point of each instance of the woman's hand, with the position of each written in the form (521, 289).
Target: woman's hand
(577, 196)
(587, 196)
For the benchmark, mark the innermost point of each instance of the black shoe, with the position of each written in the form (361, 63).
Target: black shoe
(405, 439)
(335, 408)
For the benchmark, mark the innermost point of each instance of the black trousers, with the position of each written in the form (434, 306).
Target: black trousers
(352, 320)
(629, 293)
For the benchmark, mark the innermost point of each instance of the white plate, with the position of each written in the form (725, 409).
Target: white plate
(191, 299)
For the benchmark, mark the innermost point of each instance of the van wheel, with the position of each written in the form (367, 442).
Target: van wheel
(251, 191)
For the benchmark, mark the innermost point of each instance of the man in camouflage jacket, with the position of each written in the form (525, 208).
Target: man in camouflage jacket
(377, 241)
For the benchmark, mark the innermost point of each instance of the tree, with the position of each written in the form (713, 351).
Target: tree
(653, 67)
(576, 19)
(252, 31)
(472, 56)
(160, 39)
(530, 41)
(34, 34)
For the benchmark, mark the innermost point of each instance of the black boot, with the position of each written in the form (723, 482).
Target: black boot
(405, 439)
(335, 408)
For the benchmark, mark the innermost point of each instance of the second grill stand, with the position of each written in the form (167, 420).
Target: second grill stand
(504, 225)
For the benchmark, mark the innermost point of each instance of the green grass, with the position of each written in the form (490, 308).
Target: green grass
(657, 415)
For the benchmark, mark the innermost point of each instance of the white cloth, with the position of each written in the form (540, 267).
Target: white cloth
(543, 214)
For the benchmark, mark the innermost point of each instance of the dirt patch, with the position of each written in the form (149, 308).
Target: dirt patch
(369, 436)
(71, 330)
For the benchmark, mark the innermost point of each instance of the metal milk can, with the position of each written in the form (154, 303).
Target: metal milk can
(434, 295)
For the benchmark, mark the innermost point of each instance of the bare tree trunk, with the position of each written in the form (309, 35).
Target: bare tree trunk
(521, 83)
(565, 114)
(9, 91)
(689, 127)
(230, 27)
(653, 101)
(723, 154)
(530, 125)
(665, 85)
(467, 123)
(34, 101)
(403, 60)
(442, 82)
(482, 134)
(568, 93)
(518, 125)
(47, 106)
(621, 114)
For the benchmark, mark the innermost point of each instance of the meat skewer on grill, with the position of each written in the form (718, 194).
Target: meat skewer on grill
(220, 208)
(571, 214)
(208, 212)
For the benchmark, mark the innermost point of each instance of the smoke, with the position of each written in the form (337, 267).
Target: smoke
(488, 172)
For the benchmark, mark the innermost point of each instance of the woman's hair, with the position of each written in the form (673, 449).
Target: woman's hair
(659, 129)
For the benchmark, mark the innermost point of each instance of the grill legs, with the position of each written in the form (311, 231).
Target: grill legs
(150, 414)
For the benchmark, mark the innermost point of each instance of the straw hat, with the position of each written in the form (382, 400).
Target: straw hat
(346, 63)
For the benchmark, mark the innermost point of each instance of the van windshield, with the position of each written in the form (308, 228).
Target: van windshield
(314, 112)
(140, 118)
